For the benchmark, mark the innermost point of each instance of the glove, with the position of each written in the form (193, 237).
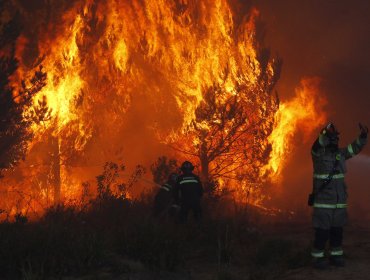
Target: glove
(363, 131)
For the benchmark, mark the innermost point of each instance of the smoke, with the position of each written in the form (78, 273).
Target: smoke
(325, 39)
(358, 181)
(362, 160)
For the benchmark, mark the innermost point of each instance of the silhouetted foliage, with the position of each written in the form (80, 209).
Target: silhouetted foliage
(162, 168)
(108, 179)
(111, 184)
(119, 240)
(14, 124)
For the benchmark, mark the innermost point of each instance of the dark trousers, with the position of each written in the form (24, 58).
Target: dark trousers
(186, 208)
(334, 235)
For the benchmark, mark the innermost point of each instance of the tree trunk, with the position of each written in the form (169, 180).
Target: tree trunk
(204, 163)
(56, 169)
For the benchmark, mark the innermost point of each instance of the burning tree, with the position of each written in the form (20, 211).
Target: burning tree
(230, 135)
(137, 75)
(15, 130)
(230, 130)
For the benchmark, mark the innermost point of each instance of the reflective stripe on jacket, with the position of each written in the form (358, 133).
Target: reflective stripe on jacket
(188, 189)
(330, 206)
(334, 194)
(326, 176)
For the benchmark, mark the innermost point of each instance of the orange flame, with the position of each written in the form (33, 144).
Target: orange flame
(303, 114)
(134, 72)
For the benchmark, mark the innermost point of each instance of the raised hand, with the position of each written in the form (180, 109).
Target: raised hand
(363, 130)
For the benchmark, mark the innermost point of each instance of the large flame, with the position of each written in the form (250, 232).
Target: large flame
(132, 73)
(303, 114)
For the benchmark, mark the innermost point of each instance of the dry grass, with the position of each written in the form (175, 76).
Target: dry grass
(120, 238)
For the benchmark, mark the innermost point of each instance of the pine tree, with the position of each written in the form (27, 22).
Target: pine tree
(229, 134)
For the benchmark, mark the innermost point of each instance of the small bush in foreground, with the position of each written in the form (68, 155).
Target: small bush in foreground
(120, 236)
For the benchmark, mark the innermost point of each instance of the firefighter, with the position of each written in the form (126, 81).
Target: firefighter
(189, 191)
(164, 199)
(329, 197)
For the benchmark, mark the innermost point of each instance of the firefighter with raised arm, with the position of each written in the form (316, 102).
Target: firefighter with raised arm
(188, 193)
(329, 196)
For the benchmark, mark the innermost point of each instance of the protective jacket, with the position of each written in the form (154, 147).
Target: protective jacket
(164, 198)
(189, 189)
(188, 193)
(331, 160)
(330, 203)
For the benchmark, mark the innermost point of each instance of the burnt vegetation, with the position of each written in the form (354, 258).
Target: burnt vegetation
(109, 236)
(117, 238)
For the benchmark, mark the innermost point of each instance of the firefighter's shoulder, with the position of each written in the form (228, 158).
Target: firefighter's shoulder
(188, 179)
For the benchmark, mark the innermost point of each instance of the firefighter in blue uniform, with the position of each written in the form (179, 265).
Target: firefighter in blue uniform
(329, 197)
(188, 193)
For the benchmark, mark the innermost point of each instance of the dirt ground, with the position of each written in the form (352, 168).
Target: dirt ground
(357, 252)
(356, 246)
